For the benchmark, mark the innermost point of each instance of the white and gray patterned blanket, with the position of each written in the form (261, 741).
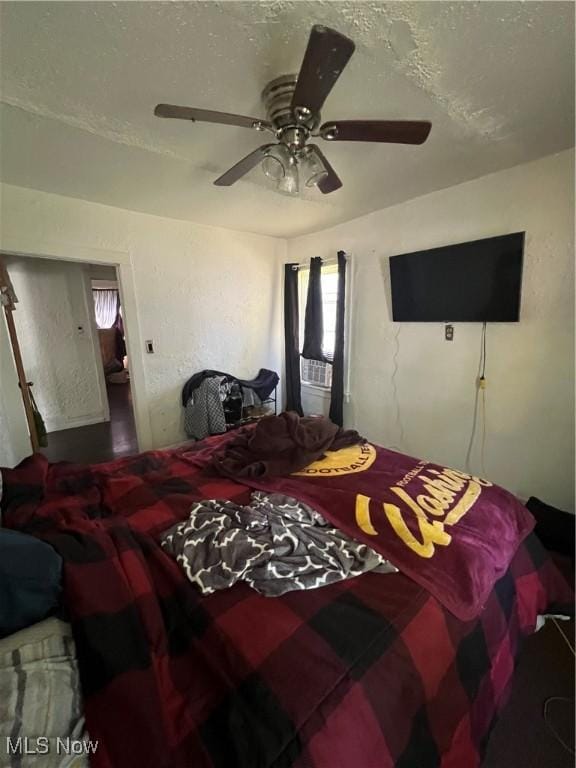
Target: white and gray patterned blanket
(276, 544)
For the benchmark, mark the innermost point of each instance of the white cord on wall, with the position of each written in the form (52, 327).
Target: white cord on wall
(349, 323)
(473, 432)
(480, 388)
(483, 440)
(395, 389)
(395, 400)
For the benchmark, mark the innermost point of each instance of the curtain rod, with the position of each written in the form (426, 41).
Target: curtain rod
(331, 260)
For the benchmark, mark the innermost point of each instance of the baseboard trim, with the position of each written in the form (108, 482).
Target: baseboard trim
(58, 425)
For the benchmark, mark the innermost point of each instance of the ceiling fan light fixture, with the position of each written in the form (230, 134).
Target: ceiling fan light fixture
(312, 169)
(289, 184)
(316, 179)
(276, 162)
(273, 168)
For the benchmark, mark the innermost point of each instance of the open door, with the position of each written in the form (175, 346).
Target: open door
(8, 300)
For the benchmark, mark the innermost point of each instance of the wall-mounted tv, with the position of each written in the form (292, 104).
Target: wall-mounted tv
(471, 282)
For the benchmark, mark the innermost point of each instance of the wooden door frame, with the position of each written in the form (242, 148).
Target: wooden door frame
(59, 251)
(9, 307)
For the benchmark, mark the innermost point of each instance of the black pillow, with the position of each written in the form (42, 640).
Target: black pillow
(30, 580)
(554, 528)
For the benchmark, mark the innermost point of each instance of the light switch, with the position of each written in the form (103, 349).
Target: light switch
(149, 346)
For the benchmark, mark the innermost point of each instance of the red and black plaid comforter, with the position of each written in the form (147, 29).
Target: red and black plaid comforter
(368, 673)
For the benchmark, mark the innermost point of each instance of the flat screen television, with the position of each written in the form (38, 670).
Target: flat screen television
(471, 282)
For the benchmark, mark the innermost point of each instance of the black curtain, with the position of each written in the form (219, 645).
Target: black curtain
(337, 391)
(313, 320)
(291, 339)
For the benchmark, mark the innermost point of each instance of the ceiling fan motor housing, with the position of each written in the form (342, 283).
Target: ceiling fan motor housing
(293, 125)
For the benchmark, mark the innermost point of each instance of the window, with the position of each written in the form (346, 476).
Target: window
(315, 372)
(329, 299)
(106, 306)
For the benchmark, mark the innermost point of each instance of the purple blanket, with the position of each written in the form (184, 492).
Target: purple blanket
(452, 533)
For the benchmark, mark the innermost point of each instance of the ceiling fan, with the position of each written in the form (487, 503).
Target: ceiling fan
(293, 104)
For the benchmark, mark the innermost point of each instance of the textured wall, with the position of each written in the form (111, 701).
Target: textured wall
(530, 370)
(208, 297)
(63, 362)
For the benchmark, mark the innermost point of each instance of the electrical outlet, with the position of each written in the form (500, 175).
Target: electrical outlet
(149, 346)
(449, 332)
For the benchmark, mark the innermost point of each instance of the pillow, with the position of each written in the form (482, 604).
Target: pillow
(30, 580)
(41, 697)
(554, 528)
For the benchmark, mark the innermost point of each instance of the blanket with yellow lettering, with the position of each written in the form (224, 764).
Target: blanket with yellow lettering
(453, 533)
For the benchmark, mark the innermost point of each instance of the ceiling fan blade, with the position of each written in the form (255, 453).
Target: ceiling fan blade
(243, 166)
(332, 181)
(391, 131)
(208, 116)
(326, 56)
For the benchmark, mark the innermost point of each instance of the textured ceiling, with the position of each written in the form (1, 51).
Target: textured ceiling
(79, 82)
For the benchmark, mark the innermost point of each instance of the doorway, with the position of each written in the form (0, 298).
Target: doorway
(70, 325)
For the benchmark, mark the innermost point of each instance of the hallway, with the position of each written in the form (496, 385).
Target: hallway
(97, 443)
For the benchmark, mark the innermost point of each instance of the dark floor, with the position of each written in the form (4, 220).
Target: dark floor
(98, 442)
(521, 738)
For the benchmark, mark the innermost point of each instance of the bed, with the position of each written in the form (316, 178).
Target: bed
(372, 672)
